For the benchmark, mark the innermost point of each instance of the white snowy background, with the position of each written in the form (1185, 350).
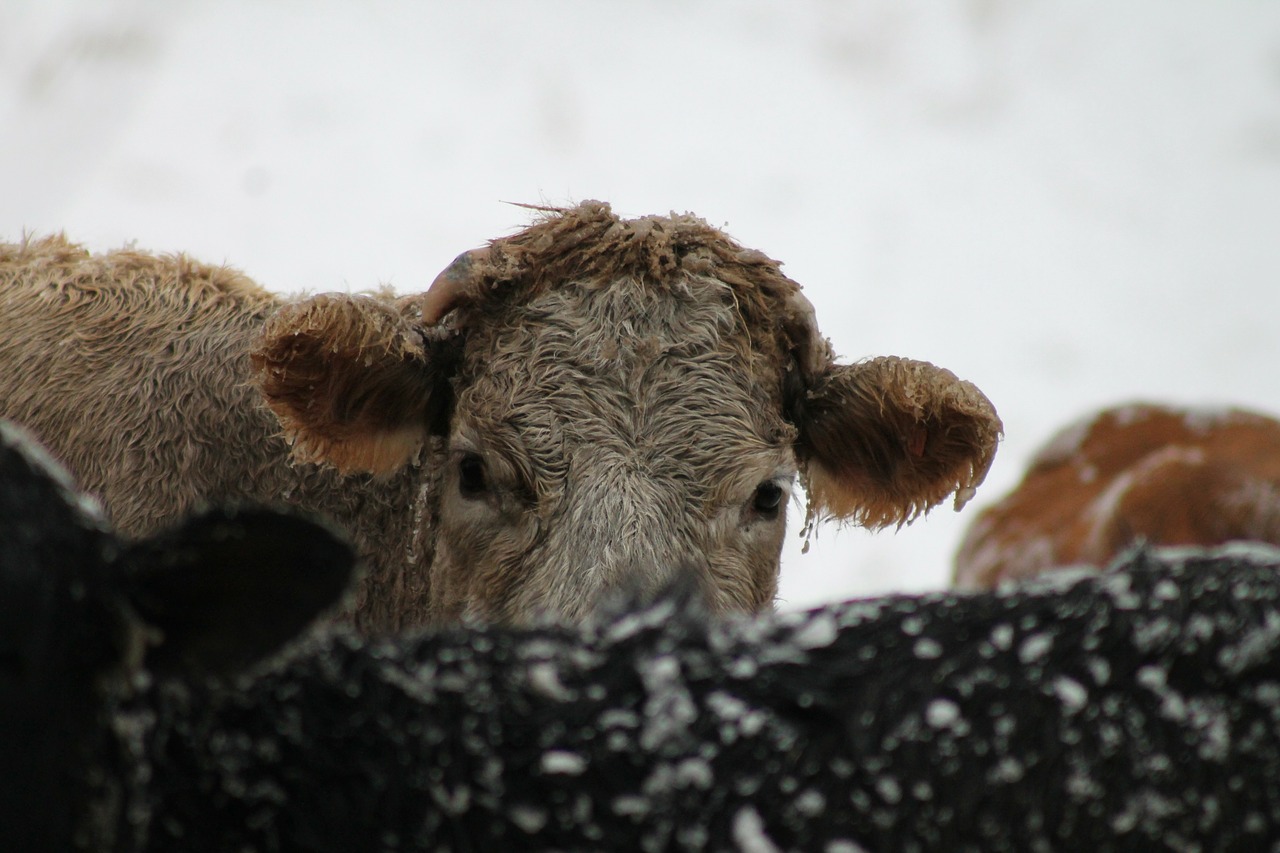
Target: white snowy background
(1069, 202)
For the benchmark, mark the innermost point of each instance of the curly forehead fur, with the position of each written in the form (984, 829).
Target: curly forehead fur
(630, 378)
(604, 400)
(591, 243)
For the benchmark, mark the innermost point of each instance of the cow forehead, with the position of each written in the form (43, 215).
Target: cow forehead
(668, 373)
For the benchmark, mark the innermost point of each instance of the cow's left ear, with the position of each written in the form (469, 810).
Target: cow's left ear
(885, 440)
(230, 587)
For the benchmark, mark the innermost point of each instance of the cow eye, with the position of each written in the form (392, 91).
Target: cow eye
(768, 499)
(472, 482)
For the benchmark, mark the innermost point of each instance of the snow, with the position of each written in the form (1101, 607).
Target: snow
(1254, 648)
(545, 679)
(560, 762)
(927, 648)
(1072, 694)
(1035, 647)
(843, 846)
(889, 789)
(942, 713)
(528, 818)
(817, 632)
(749, 834)
(1069, 203)
(668, 708)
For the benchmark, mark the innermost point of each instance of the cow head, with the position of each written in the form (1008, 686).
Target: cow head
(605, 400)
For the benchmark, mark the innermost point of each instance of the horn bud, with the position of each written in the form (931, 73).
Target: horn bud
(452, 286)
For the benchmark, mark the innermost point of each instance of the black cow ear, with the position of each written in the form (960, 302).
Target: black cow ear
(51, 544)
(229, 588)
(37, 494)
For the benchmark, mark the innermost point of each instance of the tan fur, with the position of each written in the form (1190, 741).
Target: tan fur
(591, 403)
(347, 376)
(1142, 472)
(627, 385)
(590, 243)
(921, 435)
(133, 369)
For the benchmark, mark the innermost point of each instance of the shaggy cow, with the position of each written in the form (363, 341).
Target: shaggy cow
(1148, 473)
(587, 399)
(1133, 711)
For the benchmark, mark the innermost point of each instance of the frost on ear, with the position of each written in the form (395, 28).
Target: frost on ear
(352, 381)
(887, 439)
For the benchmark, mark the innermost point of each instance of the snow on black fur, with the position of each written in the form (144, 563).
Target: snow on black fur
(1139, 709)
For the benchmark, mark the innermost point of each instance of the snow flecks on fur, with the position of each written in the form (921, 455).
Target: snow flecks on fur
(1124, 711)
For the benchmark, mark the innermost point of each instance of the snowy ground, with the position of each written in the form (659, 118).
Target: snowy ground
(1069, 202)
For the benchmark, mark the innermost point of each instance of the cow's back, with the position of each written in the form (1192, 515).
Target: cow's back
(133, 370)
(1143, 472)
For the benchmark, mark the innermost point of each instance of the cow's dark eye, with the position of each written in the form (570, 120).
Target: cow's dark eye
(472, 482)
(768, 499)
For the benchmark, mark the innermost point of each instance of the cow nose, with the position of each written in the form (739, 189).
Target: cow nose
(639, 582)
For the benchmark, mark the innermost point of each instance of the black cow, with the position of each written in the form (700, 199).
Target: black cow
(146, 704)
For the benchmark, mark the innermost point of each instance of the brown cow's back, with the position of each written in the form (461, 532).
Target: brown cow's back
(122, 363)
(133, 369)
(1163, 475)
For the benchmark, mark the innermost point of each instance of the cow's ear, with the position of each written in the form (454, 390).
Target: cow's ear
(353, 382)
(885, 440)
(228, 588)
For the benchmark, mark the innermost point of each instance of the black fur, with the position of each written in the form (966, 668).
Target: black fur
(1135, 710)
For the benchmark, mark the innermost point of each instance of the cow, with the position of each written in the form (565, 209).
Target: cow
(1139, 472)
(586, 399)
(164, 694)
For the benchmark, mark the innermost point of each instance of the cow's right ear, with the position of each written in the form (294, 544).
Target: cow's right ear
(353, 382)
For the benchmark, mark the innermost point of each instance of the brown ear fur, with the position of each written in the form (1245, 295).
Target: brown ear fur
(351, 381)
(886, 440)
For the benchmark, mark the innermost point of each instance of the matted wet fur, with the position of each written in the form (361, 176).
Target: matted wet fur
(625, 394)
(133, 369)
(589, 401)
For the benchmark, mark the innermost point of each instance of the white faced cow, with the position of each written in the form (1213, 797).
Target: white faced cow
(589, 403)
(1156, 474)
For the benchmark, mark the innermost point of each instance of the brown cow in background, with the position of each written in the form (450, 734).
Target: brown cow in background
(1141, 472)
(590, 403)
